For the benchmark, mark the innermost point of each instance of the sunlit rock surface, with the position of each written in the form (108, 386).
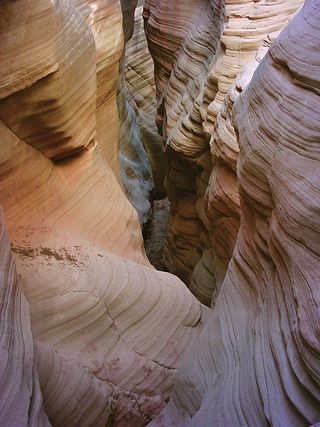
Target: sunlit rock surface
(109, 330)
(257, 361)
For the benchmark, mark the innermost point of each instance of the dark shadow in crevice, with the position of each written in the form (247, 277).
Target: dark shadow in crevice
(154, 232)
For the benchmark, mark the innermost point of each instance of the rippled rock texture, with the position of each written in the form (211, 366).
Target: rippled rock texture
(199, 49)
(90, 333)
(136, 174)
(20, 395)
(143, 164)
(257, 361)
(108, 329)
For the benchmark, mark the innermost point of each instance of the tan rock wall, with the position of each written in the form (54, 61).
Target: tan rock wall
(142, 162)
(21, 397)
(182, 40)
(139, 74)
(216, 41)
(109, 330)
(257, 360)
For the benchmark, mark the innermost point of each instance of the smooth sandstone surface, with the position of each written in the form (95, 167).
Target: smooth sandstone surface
(135, 168)
(109, 331)
(257, 360)
(90, 333)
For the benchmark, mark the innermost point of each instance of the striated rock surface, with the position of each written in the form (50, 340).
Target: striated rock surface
(21, 399)
(104, 19)
(173, 32)
(109, 330)
(103, 334)
(257, 360)
(208, 51)
(143, 165)
(136, 173)
(250, 30)
(141, 86)
(139, 75)
(41, 195)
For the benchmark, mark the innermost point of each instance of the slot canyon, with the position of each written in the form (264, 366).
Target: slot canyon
(159, 213)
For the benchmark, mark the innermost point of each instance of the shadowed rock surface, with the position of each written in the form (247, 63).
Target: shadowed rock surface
(155, 231)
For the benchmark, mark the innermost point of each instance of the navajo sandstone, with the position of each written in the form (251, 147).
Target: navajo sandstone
(91, 334)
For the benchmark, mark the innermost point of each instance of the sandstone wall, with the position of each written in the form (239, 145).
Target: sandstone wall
(109, 331)
(139, 73)
(257, 360)
(101, 338)
(21, 398)
(182, 39)
(142, 161)
(209, 49)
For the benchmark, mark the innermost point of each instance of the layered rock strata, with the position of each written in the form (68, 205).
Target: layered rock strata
(109, 330)
(257, 360)
(139, 74)
(182, 46)
(136, 174)
(249, 32)
(143, 165)
(21, 398)
(194, 115)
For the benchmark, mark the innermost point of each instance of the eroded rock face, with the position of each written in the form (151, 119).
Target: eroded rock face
(136, 173)
(183, 39)
(139, 75)
(21, 398)
(109, 330)
(203, 56)
(142, 161)
(250, 30)
(257, 360)
(143, 164)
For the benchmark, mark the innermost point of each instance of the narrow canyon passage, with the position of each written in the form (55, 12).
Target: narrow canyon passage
(141, 102)
(159, 213)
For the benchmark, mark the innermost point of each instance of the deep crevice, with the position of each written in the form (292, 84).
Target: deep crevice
(154, 232)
